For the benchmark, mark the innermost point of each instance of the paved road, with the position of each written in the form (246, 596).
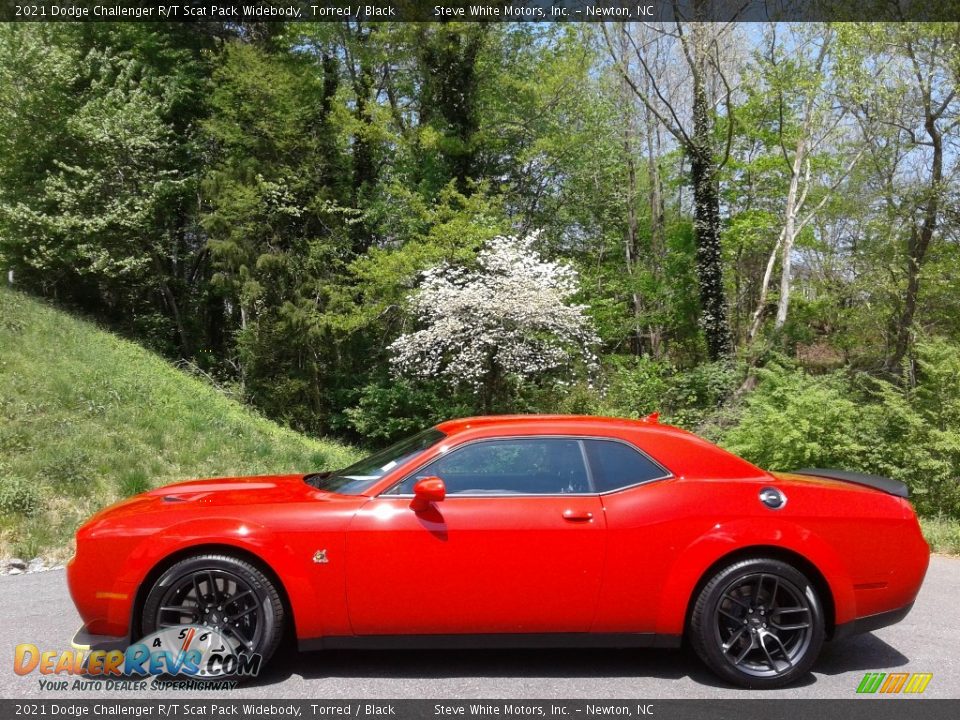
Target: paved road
(37, 609)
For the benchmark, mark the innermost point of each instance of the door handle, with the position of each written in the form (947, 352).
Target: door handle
(577, 515)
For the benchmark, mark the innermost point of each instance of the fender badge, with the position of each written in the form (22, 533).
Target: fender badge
(320, 556)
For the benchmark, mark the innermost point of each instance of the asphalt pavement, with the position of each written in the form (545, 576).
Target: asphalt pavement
(37, 609)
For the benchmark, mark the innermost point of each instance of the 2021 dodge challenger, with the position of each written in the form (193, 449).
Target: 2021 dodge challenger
(539, 531)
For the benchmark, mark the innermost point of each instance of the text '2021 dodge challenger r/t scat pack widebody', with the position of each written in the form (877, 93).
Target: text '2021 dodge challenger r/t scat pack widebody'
(532, 531)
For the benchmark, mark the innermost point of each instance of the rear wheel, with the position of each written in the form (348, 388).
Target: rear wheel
(222, 593)
(758, 623)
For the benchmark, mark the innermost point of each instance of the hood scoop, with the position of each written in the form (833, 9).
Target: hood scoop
(184, 497)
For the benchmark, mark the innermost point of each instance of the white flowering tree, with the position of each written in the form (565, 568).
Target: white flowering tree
(509, 320)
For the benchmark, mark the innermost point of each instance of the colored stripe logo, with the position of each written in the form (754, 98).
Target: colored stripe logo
(893, 683)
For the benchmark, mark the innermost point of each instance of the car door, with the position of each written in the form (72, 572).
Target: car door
(517, 545)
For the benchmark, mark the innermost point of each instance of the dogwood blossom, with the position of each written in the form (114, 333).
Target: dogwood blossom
(511, 316)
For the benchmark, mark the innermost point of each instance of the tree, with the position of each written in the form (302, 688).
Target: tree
(904, 90)
(99, 170)
(794, 71)
(509, 318)
(703, 47)
(278, 219)
(448, 61)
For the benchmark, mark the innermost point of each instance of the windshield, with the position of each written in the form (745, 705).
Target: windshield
(360, 477)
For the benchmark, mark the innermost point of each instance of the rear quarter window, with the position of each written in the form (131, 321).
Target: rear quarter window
(617, 465)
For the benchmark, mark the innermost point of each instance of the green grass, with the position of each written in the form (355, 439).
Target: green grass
(87, 418)
(942, 533)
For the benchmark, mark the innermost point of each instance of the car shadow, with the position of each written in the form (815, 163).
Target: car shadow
(864, 652)
(860, 652)
(446, 664)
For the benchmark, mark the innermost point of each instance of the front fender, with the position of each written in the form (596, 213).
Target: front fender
(298, 577)
(736, 535)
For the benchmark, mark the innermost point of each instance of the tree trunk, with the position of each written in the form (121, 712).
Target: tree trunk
(757, 318)
(658, 232)
(917, 247)
(630, 239)
(713, 309)
(706, 199)
(789, 235)
(171, 301)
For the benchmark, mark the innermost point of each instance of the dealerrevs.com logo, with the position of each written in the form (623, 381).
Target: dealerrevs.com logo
(189, 651)
(891, 683)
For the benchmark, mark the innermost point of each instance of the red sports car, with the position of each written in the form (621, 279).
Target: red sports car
(538, 531)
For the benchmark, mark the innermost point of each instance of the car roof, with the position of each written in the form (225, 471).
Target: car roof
(493, 421)
(682, 452)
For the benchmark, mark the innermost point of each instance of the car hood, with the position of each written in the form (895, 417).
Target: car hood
(239, 490)
(217, 493)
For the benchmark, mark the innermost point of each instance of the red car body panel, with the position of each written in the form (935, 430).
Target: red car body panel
(624, 562)
(475, 562)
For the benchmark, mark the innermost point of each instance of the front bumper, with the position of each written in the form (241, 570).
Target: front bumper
(85, 640)
(871, 622)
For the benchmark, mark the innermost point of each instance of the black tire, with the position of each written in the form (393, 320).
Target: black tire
(758, 623)
(254, 619)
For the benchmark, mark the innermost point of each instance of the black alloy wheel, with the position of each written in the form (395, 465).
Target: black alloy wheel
(220, 592)
(758, 623)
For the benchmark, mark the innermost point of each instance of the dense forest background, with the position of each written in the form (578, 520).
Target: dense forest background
(360, 229)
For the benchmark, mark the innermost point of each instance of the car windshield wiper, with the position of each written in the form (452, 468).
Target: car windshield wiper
(315, 479)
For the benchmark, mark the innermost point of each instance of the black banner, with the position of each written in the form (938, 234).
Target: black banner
(189, 707)
(477, 11)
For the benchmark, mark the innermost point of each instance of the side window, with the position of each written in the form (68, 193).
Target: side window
(526, 466)
(617, 465)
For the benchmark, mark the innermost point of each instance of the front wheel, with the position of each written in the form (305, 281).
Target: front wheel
(220, 592)
(758, 623)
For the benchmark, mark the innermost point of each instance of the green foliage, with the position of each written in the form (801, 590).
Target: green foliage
(19, 496)
(99, 170)
(699, 392)
(101, 418)
(688, 397)
(856, 422)
(942, 533)
(390, 409)
(634, 386)
(278, 224)
(793, 420)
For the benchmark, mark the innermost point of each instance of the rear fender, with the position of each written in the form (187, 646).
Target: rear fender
(726, 538)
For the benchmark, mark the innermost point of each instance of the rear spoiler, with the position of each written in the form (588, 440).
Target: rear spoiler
(892, 487)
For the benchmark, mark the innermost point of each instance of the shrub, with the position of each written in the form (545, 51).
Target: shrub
(133, 482)
(389, 410)
(694, 394)
(19, 496)
(634, 386)
(857, 422)
(793, 420)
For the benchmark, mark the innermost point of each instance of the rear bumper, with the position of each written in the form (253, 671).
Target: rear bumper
(871, 622)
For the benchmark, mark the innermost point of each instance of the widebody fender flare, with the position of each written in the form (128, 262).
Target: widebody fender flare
(250, 538)
(727, 538)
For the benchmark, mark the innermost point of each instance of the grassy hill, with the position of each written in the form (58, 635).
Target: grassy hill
(87, 418)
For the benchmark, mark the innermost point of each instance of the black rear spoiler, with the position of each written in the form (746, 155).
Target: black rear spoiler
(892, 487)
